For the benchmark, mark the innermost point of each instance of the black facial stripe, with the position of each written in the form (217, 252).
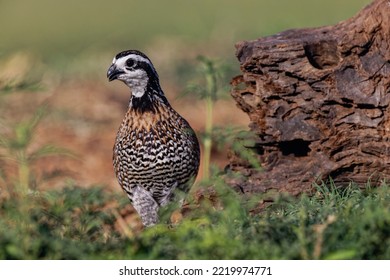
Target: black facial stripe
(148, 68)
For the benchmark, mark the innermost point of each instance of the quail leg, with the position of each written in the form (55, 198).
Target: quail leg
(145, 205)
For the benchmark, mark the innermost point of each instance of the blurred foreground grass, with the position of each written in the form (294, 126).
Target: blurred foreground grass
(79, 223)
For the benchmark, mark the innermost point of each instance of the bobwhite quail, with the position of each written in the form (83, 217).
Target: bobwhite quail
(156, 152)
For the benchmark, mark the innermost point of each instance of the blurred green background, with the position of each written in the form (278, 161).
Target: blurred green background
(58, 30)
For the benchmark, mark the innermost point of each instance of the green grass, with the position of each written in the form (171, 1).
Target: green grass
(77, 223)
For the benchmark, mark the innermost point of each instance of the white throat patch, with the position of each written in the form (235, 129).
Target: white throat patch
(137, 79)
(138, 83)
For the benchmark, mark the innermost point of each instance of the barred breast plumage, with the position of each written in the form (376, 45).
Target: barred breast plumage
(156, 152)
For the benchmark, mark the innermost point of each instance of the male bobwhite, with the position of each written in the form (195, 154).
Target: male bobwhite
(156, 152)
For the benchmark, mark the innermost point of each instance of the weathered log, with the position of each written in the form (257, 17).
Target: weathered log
(318, 101)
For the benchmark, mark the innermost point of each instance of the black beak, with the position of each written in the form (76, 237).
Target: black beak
(113, 73)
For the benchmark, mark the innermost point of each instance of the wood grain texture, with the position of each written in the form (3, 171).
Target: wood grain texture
(318, 101)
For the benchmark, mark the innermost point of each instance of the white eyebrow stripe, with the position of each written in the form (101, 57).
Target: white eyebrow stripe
(122, 60)
(137, 57)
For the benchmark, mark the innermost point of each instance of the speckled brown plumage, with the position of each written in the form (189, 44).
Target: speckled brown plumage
(156, 152)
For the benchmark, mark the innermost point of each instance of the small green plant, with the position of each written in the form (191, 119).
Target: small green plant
(17, 156)
(209, 92)
(22, 86)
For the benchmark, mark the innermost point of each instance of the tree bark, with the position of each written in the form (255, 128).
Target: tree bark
(318, 102)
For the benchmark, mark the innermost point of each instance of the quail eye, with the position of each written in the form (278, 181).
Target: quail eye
(130, 62)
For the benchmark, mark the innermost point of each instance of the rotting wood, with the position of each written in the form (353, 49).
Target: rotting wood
(318, 102)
